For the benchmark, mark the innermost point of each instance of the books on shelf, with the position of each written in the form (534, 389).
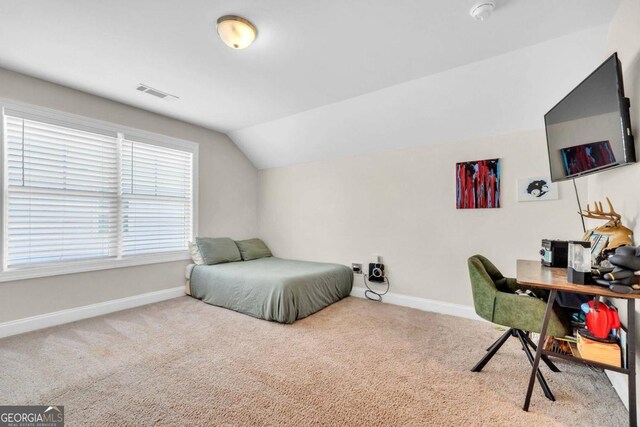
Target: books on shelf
(607, 353)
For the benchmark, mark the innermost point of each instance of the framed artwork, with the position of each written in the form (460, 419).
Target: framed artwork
(478, 184)
(536, 189)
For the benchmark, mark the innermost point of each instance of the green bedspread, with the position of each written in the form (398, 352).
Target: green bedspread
(271, 288)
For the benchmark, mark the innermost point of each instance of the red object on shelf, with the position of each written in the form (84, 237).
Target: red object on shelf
(601, 320)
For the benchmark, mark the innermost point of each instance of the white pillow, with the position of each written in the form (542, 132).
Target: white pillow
(187, 271)
(194, 251)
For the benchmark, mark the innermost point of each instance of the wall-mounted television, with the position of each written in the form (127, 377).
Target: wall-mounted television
(589, 130)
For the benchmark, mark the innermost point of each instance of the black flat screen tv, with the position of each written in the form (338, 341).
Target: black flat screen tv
(589, 130)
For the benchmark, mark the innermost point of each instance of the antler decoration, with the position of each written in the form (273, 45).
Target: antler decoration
(599, 213)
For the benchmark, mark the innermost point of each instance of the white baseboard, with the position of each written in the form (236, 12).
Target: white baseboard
(424, 304)
(41, 321)
(621, 386)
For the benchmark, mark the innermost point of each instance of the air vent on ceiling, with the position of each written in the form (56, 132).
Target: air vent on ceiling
(155, 92)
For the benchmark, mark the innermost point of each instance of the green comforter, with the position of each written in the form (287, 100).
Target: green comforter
(271, 288)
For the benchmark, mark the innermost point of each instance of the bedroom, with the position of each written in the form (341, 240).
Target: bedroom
(333, 138)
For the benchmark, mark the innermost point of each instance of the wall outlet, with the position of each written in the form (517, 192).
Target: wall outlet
(357, 268)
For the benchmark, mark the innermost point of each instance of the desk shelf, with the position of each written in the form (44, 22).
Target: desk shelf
(585, 361)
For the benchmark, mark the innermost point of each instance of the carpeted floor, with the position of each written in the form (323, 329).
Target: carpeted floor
(355, 363)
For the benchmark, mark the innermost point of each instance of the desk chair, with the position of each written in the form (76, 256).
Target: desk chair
(495, 300)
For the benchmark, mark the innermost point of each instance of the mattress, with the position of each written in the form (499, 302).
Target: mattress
(271, 288)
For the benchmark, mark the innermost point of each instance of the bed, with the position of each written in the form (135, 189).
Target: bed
(270, 288)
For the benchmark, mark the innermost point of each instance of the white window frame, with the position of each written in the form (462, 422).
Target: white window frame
(70, 267)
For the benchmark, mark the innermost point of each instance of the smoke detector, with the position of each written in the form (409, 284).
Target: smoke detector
(481, 11)
(155, 92)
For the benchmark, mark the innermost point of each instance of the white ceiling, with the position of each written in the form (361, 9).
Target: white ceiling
(312, 60)
(506, 93)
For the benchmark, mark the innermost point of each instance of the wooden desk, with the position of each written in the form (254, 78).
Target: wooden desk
(534, 274)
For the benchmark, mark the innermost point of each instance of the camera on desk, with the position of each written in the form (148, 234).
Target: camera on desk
(554, 253)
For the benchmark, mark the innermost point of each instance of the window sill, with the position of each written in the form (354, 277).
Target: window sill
(91, 265)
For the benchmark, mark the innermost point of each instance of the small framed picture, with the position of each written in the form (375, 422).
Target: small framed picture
(536, 189)
(478, 184)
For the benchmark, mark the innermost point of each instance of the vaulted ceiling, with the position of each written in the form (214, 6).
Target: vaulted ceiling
(324, 78)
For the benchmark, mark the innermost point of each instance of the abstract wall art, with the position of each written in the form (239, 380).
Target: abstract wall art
(478, 184)
(536, 189)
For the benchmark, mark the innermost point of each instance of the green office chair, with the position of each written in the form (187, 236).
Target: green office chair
(495, 300)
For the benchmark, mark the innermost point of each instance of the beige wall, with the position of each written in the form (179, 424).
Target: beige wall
(401, 205)
(622, 185)
(228, 202)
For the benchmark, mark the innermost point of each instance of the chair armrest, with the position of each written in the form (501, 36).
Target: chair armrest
(513, 285)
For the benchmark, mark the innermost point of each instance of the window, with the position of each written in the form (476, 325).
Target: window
(156, 198)
(81, 194)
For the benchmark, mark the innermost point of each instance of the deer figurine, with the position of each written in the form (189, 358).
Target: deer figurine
(618, 235)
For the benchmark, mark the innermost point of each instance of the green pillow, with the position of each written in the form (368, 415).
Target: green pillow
(253, 249)
(217, 250)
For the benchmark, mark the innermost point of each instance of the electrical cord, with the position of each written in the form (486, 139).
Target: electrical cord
(374, 295)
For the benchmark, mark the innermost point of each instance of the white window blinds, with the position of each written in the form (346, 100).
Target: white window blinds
(156, 198)
(62, 192)
(75, 192)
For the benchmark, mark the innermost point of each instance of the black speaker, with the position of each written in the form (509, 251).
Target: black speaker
(376, 272)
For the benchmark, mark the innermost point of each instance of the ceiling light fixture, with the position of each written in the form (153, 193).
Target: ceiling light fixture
(236, 32)
(481, 11)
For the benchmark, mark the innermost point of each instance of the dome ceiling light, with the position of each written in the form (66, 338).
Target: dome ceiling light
(235, 31)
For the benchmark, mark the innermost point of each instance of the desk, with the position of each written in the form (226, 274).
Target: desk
(534, 274)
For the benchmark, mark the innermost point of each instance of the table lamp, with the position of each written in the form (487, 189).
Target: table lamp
(579, 262)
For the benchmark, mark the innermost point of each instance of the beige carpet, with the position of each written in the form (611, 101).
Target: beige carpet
(182, 362)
